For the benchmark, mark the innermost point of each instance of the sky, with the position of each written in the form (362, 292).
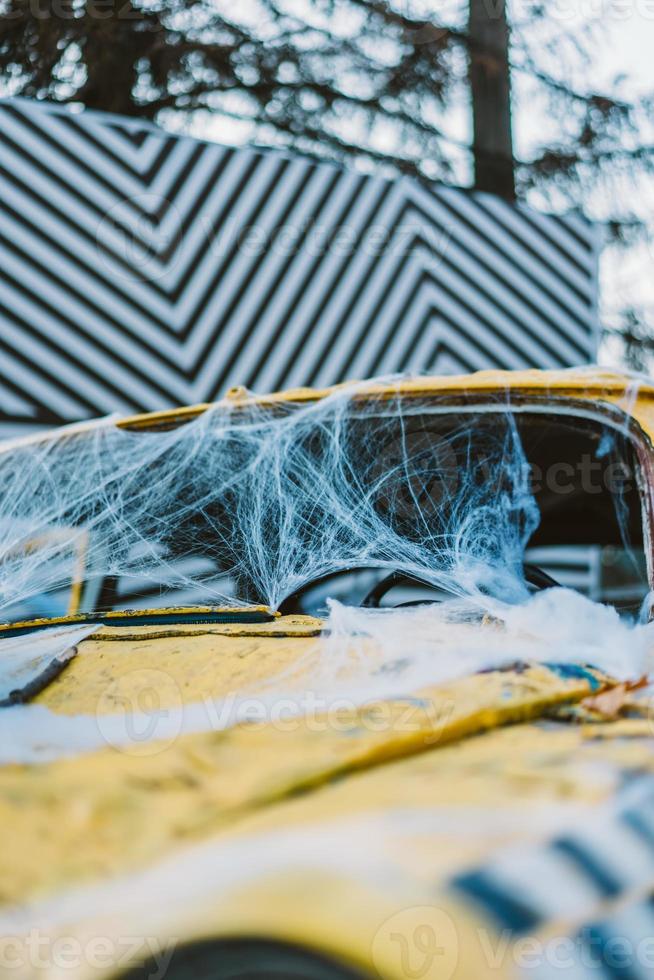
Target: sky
(624, 45)
(629, 277)
(629, 47)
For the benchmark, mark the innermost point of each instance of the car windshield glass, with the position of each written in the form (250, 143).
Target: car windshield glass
(260, 507)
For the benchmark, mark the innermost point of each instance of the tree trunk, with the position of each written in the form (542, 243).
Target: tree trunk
(490, 86)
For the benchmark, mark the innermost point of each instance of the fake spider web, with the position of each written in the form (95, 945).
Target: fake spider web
(249, 502)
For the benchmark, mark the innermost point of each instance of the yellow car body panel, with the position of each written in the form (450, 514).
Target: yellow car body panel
(144, 799)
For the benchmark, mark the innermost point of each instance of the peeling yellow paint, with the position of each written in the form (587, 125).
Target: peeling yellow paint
(83, 818)
(193, 664)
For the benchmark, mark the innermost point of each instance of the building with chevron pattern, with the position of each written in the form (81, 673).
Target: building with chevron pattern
(140, 270)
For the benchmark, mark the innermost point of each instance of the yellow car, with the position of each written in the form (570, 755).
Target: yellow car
(332, 684)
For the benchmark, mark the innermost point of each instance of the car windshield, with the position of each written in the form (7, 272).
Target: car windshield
(291, 508)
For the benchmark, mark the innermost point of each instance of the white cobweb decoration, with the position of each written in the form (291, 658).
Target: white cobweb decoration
(248, 502)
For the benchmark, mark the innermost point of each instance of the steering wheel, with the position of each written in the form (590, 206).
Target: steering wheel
(538, 579)
(535, 577)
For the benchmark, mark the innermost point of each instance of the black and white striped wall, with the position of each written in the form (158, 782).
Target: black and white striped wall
(140, 270)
